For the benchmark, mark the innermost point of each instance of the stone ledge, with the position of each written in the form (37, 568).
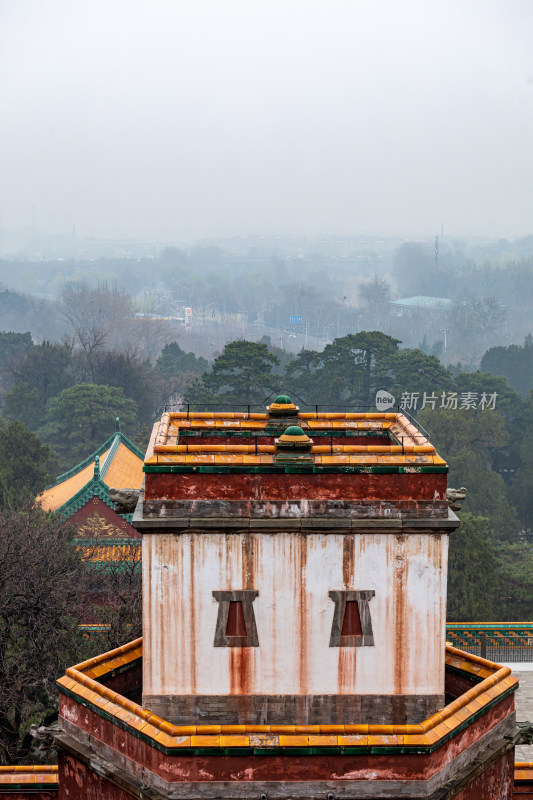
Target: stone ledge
(218, 522)
(276, 524)
(311, 524)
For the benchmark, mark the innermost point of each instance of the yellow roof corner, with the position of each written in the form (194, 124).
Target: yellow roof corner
(120, 467)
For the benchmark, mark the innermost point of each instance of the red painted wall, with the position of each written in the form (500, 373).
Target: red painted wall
(456, 685)
(77, 782)
(496, 783)
(523, 791)
(102, 509)
(269, 768)
(365, 441)
(244, 486)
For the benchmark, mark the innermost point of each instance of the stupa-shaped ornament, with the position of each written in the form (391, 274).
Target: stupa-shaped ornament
(294, 446)
(282, 413)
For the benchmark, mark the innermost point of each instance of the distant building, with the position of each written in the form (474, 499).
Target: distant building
(418, 316)
(421, 303)
(81, 496)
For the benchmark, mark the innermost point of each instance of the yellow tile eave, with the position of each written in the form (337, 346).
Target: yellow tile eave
(125, 471)
(55, 497)
(80, 681)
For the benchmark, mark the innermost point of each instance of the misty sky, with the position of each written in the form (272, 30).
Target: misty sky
(175, 120)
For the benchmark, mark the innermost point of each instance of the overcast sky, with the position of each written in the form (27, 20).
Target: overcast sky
(175, 120)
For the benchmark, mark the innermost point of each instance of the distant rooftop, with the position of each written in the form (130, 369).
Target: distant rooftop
(424, 302)
(117, 463)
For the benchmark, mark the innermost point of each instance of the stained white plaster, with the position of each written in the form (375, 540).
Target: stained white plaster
(293, 574)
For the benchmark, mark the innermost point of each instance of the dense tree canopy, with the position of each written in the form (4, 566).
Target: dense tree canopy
(515, 363)
(415, 371)
(78, 420)
(12, 348)
(348, 371)
(472, 568)
(173, 360)
(241, 374)
(468, 440)
(40, 584)
(521, 489)
(41, 373)
(135, 376)
(24, 464)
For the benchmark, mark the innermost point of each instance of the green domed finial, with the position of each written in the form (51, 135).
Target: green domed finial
(293, 446)
(294, 436)
(294, 430)
(281, 411)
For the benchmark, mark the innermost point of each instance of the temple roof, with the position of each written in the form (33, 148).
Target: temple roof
(117, 463)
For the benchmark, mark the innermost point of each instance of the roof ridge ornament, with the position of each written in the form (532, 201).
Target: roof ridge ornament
(281, 413)
(97, 468)
(294, 445)
(282, 406)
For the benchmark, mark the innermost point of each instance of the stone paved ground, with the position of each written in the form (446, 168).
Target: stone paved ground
(524, 710)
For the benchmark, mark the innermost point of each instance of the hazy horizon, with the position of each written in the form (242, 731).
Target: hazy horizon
(177, 122)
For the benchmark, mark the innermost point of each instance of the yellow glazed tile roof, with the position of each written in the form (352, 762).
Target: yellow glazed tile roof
(120, 466)
(112, 552)
(523, 771)
(125, 470)
(81, 682)
(56, 496)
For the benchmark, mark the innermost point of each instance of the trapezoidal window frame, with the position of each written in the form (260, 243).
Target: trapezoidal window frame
(340, 597)
(246, 597)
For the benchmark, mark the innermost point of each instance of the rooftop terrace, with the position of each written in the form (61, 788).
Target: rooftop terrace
(358, 441)
(343, 465)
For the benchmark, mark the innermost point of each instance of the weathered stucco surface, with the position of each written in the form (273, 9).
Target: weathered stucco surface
(293, 573)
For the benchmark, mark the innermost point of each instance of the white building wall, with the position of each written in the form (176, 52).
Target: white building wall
(293, 574)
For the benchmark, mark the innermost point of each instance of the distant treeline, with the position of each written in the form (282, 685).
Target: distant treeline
(488, 286)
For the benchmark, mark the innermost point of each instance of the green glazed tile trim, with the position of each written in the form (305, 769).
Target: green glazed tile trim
(85, 463)
(94, 488)
(111, 453)
(224, 469)
(468, 675)
(30, 788)
(500, 626)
